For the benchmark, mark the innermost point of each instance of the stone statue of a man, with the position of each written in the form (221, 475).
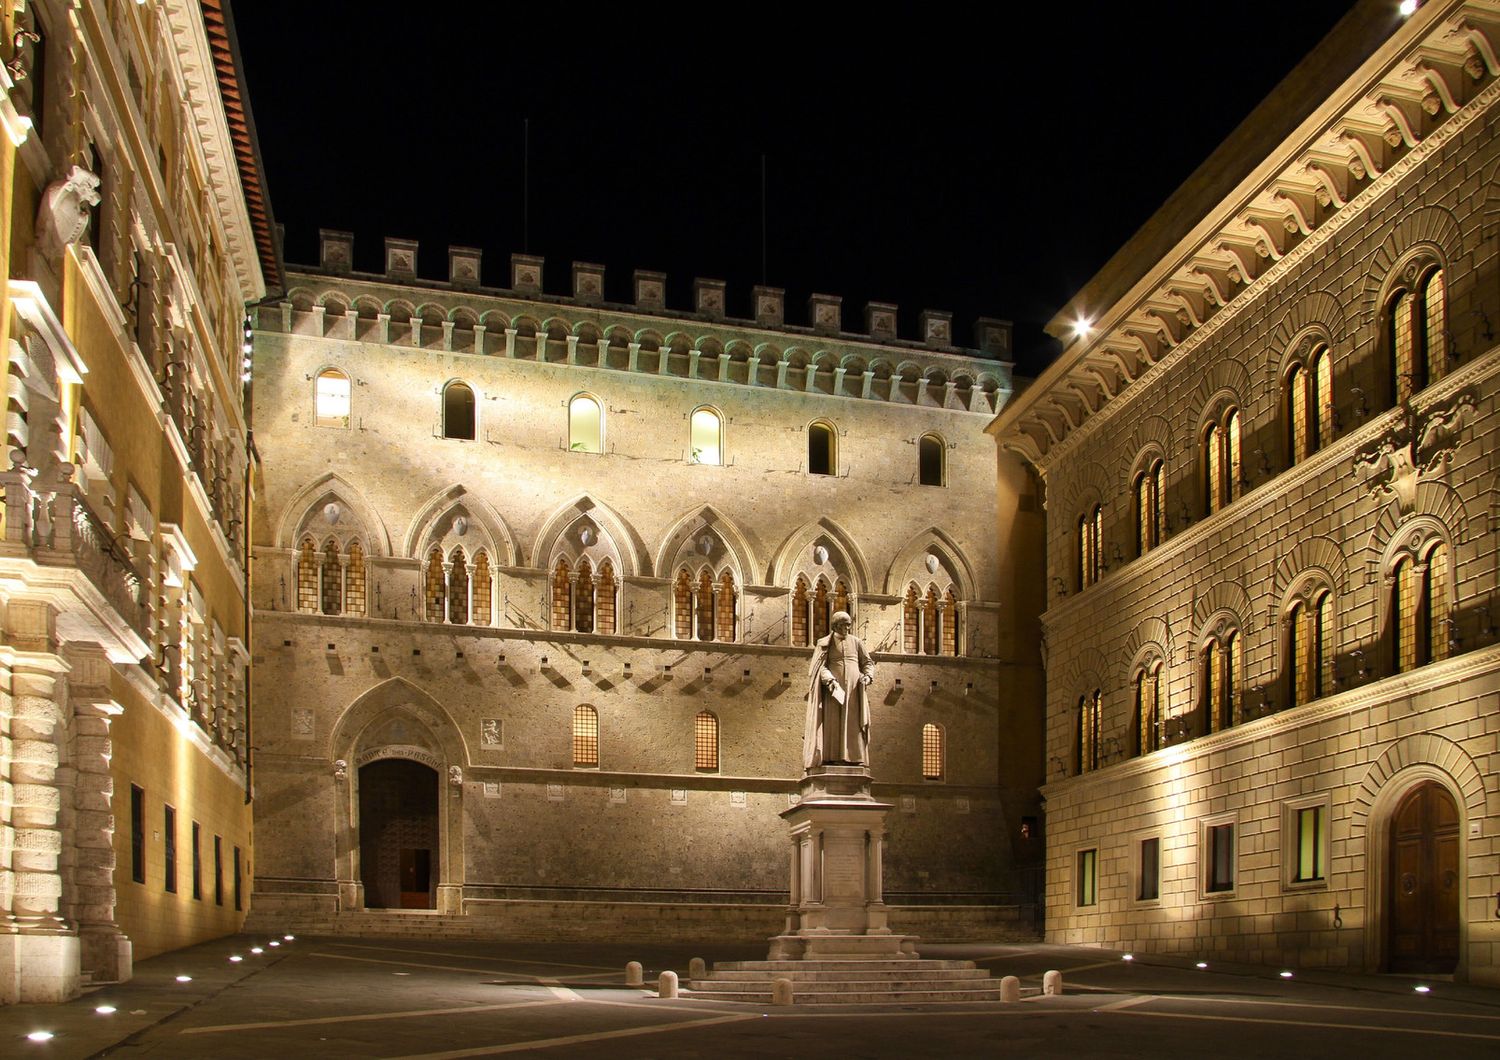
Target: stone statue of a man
(838, 708)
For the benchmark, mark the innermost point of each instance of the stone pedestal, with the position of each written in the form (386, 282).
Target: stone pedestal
(837, 905)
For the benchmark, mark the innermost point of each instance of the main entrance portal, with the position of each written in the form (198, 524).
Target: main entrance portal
(1424, 882)
(398, 834)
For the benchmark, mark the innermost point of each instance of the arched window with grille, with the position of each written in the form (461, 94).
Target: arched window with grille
(605, 598)
(583, 597)
(1219, 678)
(933, 763)
(822, 448)
(706, 429)
(354, 579)
(458, 587)
(585, 424)
(1148, 707)
(562, 595)
(483, 590)
(307, 577)
(1416, 329)
(800, 613)
(436, 588)
(1089, 716)
(458, 411)
(706, 742)
(1222, 471)
(1090, 535)
(585, 737)
(1309, 403)
(331, 399)
(1149, 517)
(1419, 606)
(331, 591)
(1308, 636)
(931, 469)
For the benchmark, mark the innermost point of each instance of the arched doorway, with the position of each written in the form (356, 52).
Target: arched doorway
(398, 834)
(1424, 876)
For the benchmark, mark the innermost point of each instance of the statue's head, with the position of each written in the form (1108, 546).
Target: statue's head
(841, 622)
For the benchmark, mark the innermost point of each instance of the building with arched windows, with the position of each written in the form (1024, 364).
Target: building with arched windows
(1272, 660)
(580, 606)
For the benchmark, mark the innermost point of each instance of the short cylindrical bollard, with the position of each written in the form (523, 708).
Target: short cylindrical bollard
(666, 985)
(1052, 984)
(696, 968)
(781, 992)
(634, 974)
(1010, 988)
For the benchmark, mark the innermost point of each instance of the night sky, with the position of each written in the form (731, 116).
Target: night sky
(988, 169)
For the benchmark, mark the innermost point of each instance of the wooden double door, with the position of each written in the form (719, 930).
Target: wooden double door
(1424, 878)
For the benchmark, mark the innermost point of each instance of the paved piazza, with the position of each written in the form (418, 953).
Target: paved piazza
(435, 999)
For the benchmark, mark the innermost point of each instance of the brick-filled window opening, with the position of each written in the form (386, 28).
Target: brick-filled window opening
(458, 411)
(706, 742)
(1219, 851)
(821, 612)
(218, 870)
(706, 608)
(932, 752)
(331, 572)
(1148, 708)
(562, 595)
(585, 425)
(354, 579)
(331, 398)
(813, 608)
(239, 901)
(137, 834)
(197, 848)
(1221, 460)
(929, 621)
(1417, 331)
(1149, 519)
(822, 449)
(585, 737)
(307, 577)
(682, 607)
(435, 587)
(706, 430)
(726, 600)
(483, 590)
(1086, 757)
(1219, 661)
(930, 460)
(1090, 537)
(1309, 405)
(458, 587)
(1420, 609)
(169, 849)
(1088, 877)
(1149, 873)
(584, 599)
(1311, 821)
(703, 608)
(1309, 638)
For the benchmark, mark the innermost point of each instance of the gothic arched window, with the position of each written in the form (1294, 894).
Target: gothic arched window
(458, 411)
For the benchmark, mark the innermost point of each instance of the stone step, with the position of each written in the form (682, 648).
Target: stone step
(712, 984)
(875, 994)
(852, 975)
(850, 964)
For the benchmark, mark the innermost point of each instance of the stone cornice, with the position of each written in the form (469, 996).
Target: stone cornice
(1446, 674)
(1370, 134)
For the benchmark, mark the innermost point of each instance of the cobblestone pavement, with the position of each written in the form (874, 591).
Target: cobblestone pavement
(387, 998)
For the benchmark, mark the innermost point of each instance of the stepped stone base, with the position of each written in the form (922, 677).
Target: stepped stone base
(854, 981)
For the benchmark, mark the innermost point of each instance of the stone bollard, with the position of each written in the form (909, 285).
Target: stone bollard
(666, 985)
(633, 974)
(781, 992)
(1010, 989)
(697, 969)
(1052, 984)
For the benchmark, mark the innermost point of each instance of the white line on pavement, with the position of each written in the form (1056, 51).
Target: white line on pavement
(1375, 1028)
(574, 1039)
(407, 1014)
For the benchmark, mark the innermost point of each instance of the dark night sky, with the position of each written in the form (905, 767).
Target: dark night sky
(988, 169)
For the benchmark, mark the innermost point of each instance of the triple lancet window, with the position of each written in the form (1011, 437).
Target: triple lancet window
(705, 606)
(330, 581)
(458, 588)
(929, 624)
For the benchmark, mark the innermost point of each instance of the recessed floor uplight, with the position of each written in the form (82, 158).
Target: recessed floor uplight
(1128, 957)
(256, 950)
(1422, 989)
(40, 1036)
(1286, 975)
(184, 978)
(289, 938)
(275, 943)
(1201, 964)
(236, 958)
(105, 1010)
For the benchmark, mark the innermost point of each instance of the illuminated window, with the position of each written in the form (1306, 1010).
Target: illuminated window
(585, 737)
(932, 752)
(604, 598)
(354, 579)
(435, 592)
(1088, 877)
(706, 607)
(332, 399)
(1218, 849)
(1309, 405)
(930, 460)
(800, 613)
(458, 411)
(1219, 659)
(1309, 828)
(1420, 609)
(706, 742)
(458, 587)
(583, 597)
(585, 425)
(1308, 626)
(707, 436)
(482, 589)
(332, 575)
(1148, 708)
(822, 449)
(1221, 460)
(1149, 870)
(1148, 508)
(562, 596)
(1090, 531)
(307, 577)
(1417, 332)
(1088, 731)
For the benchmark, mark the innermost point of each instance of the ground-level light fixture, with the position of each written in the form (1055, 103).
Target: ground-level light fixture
(236, 959)
(1128, 957)
(1286, 975)
(256, 950)
(184, 978)
(105, 1010)
(1201, 964)
(1422, 989)
(40, 1036)
(289, 938)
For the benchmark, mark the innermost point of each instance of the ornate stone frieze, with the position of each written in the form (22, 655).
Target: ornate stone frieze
(1418, 447)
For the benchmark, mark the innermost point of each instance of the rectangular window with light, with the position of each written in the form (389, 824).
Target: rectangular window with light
(1309, 844)
(1088, 877)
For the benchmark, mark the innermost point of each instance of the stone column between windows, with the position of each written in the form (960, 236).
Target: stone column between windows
(106, 952)
(447, 592)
